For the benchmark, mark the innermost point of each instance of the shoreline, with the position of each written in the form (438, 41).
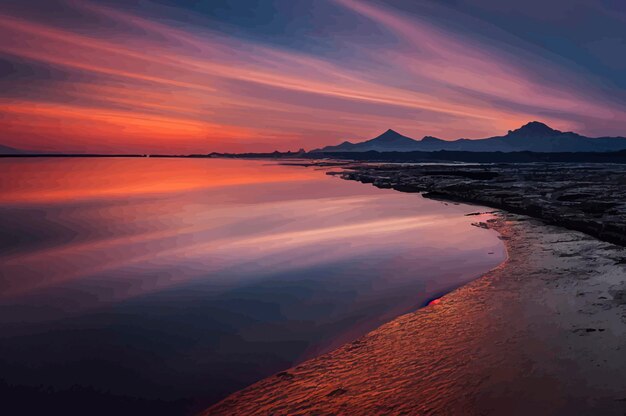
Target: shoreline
(590, 199)
(542, 332)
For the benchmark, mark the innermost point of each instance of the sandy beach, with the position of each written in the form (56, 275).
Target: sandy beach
(544, 333)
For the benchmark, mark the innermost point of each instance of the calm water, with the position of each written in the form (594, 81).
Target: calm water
(161, 285)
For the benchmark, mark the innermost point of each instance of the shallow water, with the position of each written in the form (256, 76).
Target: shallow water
(161, 285)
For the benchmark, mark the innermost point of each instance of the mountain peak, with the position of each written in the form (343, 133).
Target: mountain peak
(534, 129)
(389, 134)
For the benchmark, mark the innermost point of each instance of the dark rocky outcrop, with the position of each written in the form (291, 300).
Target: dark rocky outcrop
(587, 198)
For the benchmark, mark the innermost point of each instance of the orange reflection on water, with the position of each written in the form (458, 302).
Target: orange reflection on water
(50, 181)
(129, 227)
(209, 262)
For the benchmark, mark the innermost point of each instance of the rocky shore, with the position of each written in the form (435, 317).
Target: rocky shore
(589, 198)
(541, 334)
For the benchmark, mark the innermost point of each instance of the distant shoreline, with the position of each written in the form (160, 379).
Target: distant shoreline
(442, 156)
(27, 155)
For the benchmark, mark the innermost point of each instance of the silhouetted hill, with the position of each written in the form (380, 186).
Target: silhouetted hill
(532, 137)
(389, 141)
(6, 150)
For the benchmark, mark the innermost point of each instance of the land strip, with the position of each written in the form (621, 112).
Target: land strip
(590, 198)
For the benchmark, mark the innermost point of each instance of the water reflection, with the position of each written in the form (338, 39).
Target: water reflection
(187, 279)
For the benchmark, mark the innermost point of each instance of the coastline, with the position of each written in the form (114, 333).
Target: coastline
(586, 198)
(543, 333)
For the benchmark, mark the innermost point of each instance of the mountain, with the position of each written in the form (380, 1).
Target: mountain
(533, 137)
(6, 150)
(389, 141)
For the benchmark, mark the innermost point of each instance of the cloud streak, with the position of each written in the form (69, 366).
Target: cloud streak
(148, 86)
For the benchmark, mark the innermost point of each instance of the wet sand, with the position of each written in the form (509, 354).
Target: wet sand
(544, 333)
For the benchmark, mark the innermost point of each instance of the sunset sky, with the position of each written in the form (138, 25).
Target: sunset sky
(257, 75)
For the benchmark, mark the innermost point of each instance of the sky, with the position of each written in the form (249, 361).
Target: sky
(184, 76)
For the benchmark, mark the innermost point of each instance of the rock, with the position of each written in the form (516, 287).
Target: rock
(587, 198)
(337, 392)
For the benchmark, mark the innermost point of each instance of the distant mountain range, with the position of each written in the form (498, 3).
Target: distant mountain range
(532, 137)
